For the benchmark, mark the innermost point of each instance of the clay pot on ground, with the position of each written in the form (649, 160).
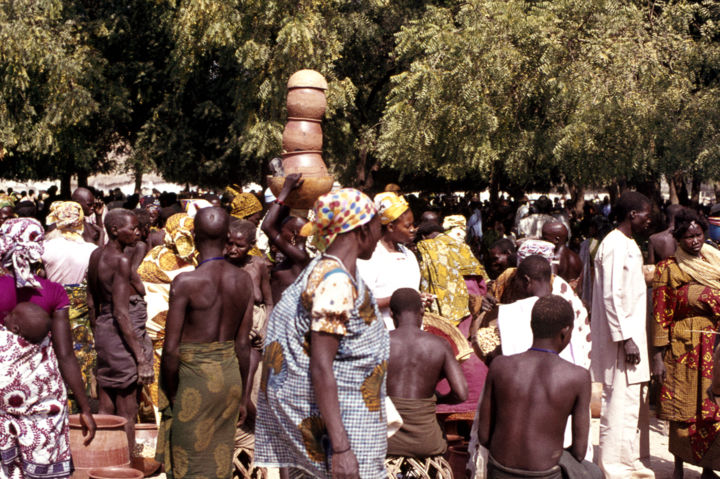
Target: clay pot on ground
(146, 440)
(305, 197)
(306, 102)
(302, 134)
(109, 448)
(115, 473)
(458, 457)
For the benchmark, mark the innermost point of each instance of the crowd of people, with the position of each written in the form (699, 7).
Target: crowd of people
(342, 341)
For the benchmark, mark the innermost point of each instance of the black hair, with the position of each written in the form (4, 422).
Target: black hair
(629, 201)
(26, 209)
(116, 218)
(535, 267)
(428, 228)
(143, 217)
(405, 299)
(684, 220)
(505, 245)
(550, 314)
(243, 227)
(544, 205)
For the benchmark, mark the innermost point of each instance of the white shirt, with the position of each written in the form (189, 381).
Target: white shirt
(66, 261)
(388, 271)
(619, 306)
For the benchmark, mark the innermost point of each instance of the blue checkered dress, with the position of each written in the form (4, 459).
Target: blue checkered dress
(290, 431)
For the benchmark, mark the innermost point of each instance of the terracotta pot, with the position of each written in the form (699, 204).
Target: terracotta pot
(306, 102)
(307, 78)
(109, 448)
(146, 438)
(308, 162)
(458, 457)
(115, 473)
(302, 134)
(305, 197)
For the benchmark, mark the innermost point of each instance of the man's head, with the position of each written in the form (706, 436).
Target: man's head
(552, 318)
(6, 212)
(240, 239)
(501, 256)
(144, 222)
(430, 217)
(555, 232)
(406, 307)
(86, 198)
(633, 208)
(29, 321)
(122, 225)
(290, 230)
(543, 205)
(211, 225)
(534, 275)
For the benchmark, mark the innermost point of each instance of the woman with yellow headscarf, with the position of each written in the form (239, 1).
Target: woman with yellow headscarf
(393, 265)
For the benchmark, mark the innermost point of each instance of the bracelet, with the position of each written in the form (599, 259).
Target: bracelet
(341, 452)
(280, 202)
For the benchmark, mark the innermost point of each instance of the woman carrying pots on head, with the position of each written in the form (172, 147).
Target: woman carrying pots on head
(393, 265)
(686, 310)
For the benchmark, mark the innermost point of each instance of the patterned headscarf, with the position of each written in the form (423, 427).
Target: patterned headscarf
(243, 204)
(390, 206)
(455, 226)
(179, 230)
(68, 217)
(338, 212)
(21, 245)
(530, 247)
(6, 200)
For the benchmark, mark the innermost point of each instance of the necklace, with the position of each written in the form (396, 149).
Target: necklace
(543, 350)
(216, 258)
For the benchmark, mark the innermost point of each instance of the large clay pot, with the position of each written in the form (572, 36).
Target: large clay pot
(458, 458)
(302, 134)
(306, 102)
(146, 442)
(308, 162)
(109, 448)
(304, 197)
(307, 78)
(115, 473)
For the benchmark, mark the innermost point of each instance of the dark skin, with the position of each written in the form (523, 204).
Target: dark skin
(570, 266)
(430, 217)
(497, 262)
(92, 233)
(6, 212)
(348, 247)
(110, 276)
(213, 303)
(401, 231)
(531, 438)
(662, 245)
(419, 360)
(691, 242)
(286, 239)
(136, 253)
(636, 222)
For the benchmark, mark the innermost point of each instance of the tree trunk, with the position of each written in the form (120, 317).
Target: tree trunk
(65, 185)
(674, 200)
(138, 180)
(82, 177)
(696, 187)
(577, 198)
(494, 183)
(716, 186)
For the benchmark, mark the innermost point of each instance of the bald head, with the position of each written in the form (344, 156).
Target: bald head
(211, 224)
(430, 217)
(555, 232)
(86, 198)
(29, 321)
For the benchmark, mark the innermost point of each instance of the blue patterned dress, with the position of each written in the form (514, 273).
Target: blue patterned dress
(290, 431)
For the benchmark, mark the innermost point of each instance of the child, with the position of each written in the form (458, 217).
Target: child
(528, 398)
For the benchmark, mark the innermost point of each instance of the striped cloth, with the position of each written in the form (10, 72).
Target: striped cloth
(290, 430)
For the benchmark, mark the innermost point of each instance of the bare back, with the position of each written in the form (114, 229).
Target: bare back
(418, 361)
(103, 268)
(215, 299)
(531, 395)
(661, 246)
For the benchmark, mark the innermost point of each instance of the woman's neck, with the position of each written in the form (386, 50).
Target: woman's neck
(344, 248)
(389, 244)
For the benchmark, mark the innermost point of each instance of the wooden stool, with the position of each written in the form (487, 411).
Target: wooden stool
(435, 467)
(243, 466)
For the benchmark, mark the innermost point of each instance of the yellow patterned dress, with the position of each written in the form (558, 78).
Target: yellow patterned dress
(445, 262)
(686, 315)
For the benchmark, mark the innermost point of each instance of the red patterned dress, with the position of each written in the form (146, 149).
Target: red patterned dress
(682, 310)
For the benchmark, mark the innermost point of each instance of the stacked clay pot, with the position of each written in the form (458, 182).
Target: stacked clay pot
(108, 449)
(302, 139)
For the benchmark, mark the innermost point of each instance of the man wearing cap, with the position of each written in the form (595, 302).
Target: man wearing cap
(321, 409)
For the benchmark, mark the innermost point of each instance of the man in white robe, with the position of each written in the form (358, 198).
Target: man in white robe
(619, 339)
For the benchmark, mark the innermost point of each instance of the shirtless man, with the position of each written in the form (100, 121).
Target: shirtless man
(418, 361)
(662, 245)
(117, 315)
(204, 365)
(283, 231)
(567, 263)
(92, 232)
(525, 440)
